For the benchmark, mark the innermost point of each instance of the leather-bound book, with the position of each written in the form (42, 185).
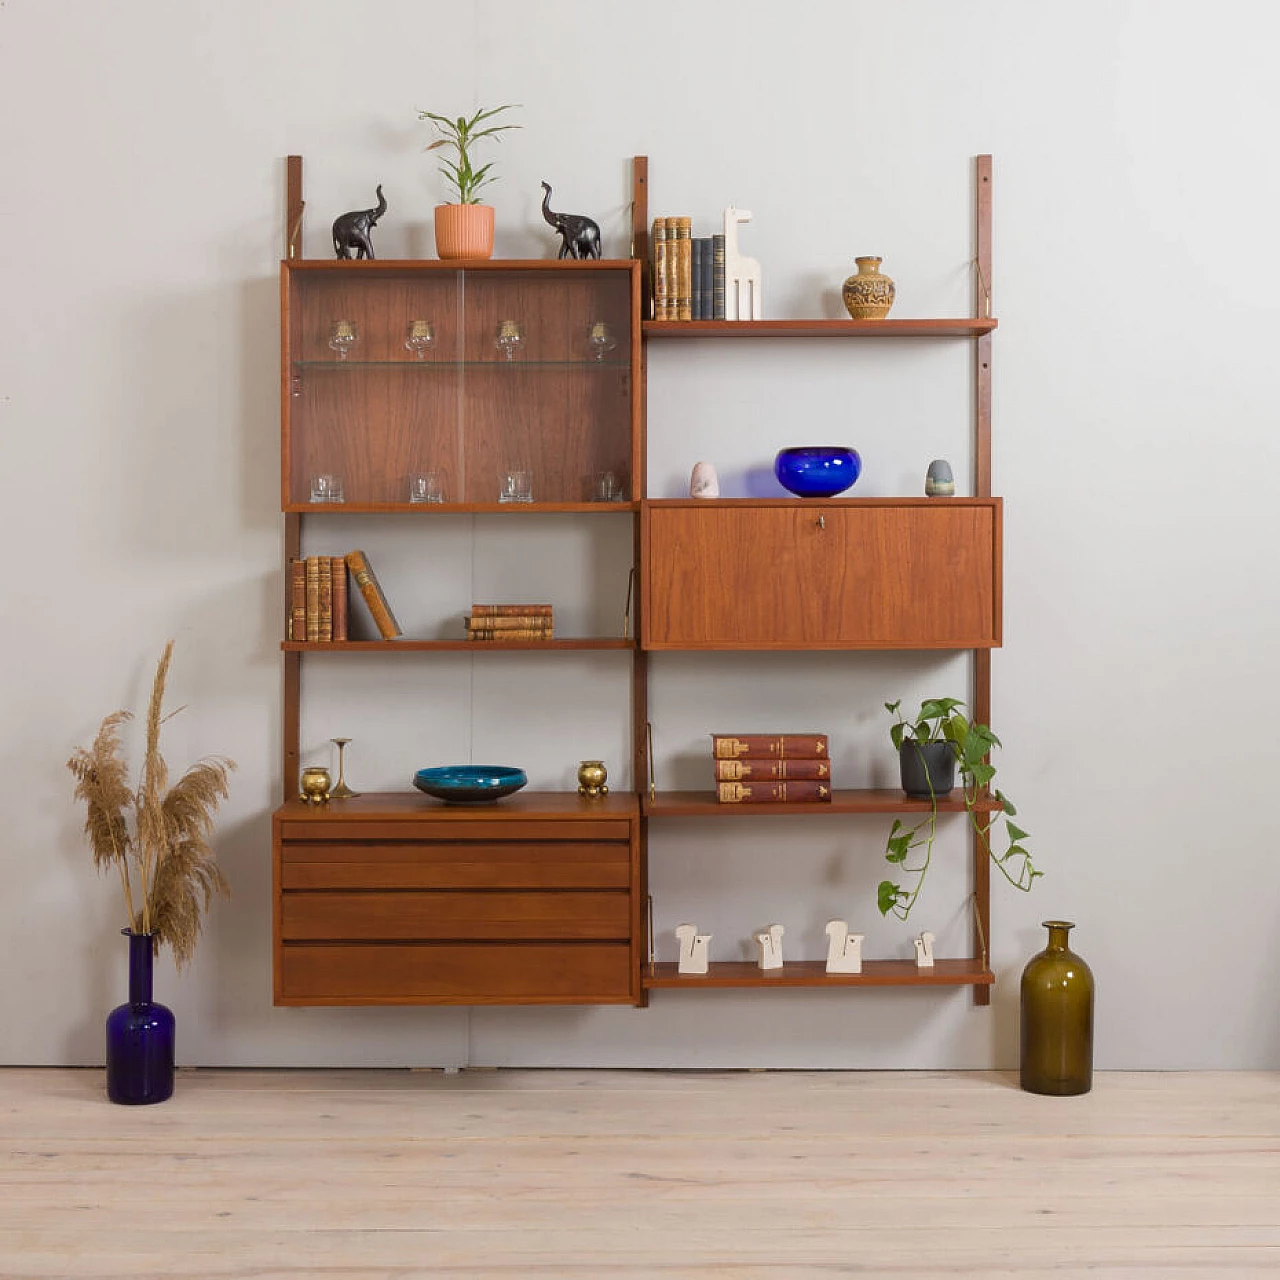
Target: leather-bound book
(717, 276)
(773, 792)
(297, 599)
(772, 746)
(684, 269)
(662, 275)
(313, 597)
(371, 592)
(326, 598)
(505, 610)
(756, 769)
(338, 592)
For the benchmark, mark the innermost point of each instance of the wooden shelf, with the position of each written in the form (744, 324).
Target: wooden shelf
(703, 804)
(812, 973)
(470, 646)
(457, 508)
(973, 328)
(412, 806)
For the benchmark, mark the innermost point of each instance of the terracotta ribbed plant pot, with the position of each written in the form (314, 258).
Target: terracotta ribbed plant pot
(464, 230)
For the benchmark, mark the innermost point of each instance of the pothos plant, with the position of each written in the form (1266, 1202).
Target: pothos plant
(943, 720)
(462, 134)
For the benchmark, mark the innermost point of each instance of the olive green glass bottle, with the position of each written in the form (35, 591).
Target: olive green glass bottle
(1057, 1018)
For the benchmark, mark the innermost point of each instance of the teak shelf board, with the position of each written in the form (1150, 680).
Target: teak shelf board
(469, 646)
(958, 328)
(701, 804)
(413, 806)
(420, 266)
(458, 508)
(812, 973)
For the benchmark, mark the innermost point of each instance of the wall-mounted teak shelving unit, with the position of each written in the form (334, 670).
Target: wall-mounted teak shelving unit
(694, 598)
(396, 899)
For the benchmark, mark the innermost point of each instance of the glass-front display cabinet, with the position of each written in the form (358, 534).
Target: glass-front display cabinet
(494, 385)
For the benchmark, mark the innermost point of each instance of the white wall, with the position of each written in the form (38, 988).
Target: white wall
(1135, 445)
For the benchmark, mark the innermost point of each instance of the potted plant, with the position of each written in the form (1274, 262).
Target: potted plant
(465, 229)
(156, 837)
(939, 742)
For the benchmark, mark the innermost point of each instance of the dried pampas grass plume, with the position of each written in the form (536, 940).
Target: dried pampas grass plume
(160, 833)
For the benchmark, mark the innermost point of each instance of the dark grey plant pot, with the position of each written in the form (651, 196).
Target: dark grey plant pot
(923, 763)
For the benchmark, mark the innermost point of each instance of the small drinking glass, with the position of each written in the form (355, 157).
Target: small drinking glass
(606, 487)
(516, 486)
(508, 337)
(326, 488)
(600, 339)
(343, 335)
(419, 336)
(426, 487)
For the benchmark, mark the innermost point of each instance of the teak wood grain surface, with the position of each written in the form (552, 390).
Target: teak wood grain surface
(842, 574)
(640, 1175)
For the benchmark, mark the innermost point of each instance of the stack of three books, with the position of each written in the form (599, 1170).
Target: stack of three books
(771, 768)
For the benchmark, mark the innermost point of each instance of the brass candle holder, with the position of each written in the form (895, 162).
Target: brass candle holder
(340, 789)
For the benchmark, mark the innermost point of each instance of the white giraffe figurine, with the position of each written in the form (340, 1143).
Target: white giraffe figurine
(844, 951)
(693, 949)
(924, 951)
(770, 943)
(739, 273)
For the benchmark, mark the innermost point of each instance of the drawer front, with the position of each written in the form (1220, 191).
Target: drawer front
(342, 864)
(454, 973)
(492, 915)
(918, 575)
(320, 827)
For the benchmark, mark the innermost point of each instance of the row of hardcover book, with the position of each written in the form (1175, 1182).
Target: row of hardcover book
(688, 272)
(318, 609)
(318, 597)
(771, 768)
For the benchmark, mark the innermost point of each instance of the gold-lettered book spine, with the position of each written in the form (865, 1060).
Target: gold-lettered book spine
(751, 769)
(371, 592)
(771, 792)
(776, 746)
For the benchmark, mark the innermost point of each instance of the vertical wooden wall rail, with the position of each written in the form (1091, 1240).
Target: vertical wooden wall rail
(294, 205)
(981, 706)
(292, 674)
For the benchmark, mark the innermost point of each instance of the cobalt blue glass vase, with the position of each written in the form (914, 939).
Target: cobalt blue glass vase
(140, 1035)
(818, 470)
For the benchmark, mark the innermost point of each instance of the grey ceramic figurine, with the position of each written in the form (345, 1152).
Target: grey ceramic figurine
(938, 481)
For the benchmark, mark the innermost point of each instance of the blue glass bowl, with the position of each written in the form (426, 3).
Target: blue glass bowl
(470, 783)
(817, 470)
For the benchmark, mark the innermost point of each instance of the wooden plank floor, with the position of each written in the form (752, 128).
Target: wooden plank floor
(386, 1175)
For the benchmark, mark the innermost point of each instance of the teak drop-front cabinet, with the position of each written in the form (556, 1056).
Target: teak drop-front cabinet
(397, 898)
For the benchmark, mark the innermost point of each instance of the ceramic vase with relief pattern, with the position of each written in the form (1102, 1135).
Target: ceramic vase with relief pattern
(868, 295)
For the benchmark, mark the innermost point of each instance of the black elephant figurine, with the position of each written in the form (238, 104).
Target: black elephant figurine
(580, 235)
(351, 230)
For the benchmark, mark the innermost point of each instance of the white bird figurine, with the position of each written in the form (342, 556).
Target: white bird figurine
(844, 951)
(924, 951)
(770, 943)
(693, 949)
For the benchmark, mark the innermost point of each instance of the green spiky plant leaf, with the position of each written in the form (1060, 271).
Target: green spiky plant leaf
(461, 133)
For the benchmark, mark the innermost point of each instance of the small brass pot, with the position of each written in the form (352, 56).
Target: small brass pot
(592, 778)
(314, 785)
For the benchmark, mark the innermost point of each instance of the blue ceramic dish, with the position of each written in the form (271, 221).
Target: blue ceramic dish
(817, 470)
(470, 783)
